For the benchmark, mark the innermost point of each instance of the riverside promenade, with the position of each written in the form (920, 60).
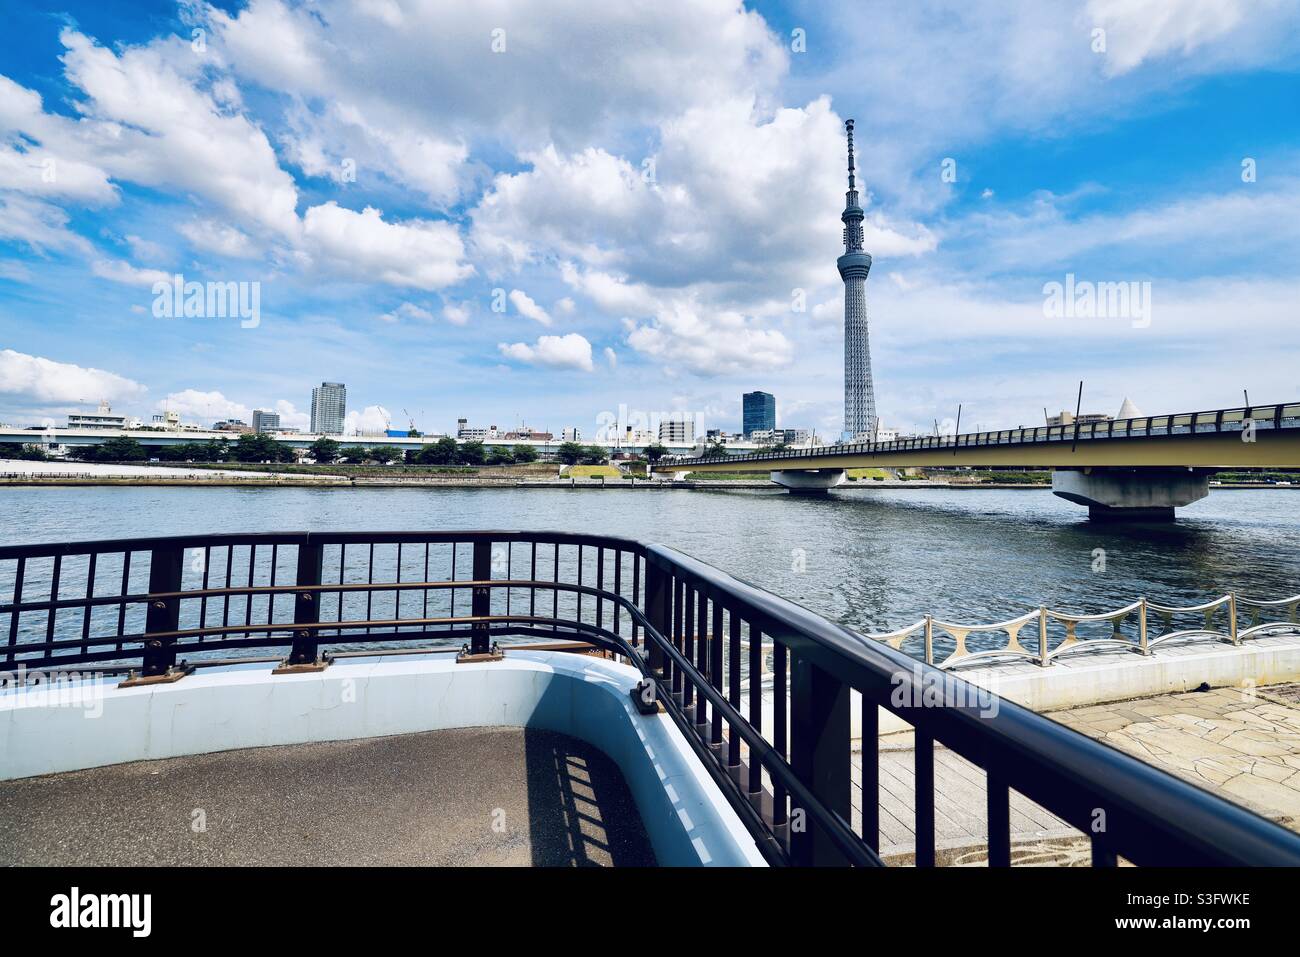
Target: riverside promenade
(1240, 744)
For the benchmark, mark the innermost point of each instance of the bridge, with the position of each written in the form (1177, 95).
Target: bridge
(1139, 468)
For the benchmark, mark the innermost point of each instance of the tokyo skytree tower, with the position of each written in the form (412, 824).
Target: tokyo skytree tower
(859, 396)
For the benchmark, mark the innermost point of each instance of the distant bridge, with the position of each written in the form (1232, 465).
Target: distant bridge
(1139, 468)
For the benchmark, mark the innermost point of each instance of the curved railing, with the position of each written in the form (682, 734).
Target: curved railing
(1047, 647)
(1250, 418)
(159, 608)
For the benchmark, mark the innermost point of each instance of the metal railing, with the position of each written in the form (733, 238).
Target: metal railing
(163, 606)
(945, 644)
(1264, 418)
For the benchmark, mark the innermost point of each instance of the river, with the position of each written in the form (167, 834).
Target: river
(871, 559)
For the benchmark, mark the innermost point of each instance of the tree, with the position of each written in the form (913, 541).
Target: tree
(500, 455)
(594, 455)
(255, 447)
(570, 453)
(442, 452)
(715, 450)
(120, 448)
(472, 453)
(653, 453)
(324, 451)
(29, 452)
(384, 454)
(525, 453)
(355, 454)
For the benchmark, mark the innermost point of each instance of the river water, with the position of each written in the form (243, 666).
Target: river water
(872, 559)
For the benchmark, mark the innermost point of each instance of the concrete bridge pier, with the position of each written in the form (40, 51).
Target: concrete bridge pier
(810, 481)
(1141, 495)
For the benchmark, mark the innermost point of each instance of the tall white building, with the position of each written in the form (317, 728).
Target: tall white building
(329, 408)
(859, 394)
(677, 427)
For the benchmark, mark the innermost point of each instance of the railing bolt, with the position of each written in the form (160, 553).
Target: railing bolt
(305, 596)
(160, 605)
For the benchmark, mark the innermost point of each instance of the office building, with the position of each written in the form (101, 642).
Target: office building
(758, 412)
(264, 421)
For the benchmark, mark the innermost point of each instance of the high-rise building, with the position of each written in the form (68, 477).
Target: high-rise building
(758, 412)
(329, 408)
(859, 395)
(264, 421)
(677, 428)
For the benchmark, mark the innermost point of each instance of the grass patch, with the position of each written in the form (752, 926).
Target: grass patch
(868, 474)
(593, 471)
(726, 476)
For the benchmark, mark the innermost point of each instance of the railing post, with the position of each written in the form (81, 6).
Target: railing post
(1142, 626)
(819, 754)
(481, 605)
(1232, 618)
(1043, 660)
(929, 639)
(656, 611)
(163, 614)
(306, 609)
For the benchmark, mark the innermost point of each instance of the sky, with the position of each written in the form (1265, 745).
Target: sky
(555, 214)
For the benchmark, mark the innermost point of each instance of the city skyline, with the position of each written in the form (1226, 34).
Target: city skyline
(665, 247)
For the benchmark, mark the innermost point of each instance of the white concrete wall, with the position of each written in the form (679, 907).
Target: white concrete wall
(687, 818)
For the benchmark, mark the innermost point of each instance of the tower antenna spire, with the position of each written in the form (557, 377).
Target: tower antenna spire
(848, 125)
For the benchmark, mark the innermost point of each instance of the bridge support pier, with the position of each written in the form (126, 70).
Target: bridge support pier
(1135, 495)
(810, 481)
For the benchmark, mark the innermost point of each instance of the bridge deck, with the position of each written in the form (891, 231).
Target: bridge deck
(475, 796)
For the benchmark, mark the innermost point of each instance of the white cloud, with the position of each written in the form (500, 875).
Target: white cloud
(118, 271)
(221, 239)
(407, 310)
(422, 254)
(155, 125)
(719, 343)
(44, 380)
(570, 351)
(457, 313)
(40, 225)
(372, 420)
(611, 357)
(527, 308)
(204, 407)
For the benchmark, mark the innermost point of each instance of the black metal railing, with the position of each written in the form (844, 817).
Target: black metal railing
(1249, 420)
(782, 754)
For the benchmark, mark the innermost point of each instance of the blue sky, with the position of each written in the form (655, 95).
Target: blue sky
(652, 194)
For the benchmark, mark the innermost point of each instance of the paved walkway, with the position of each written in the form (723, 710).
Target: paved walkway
(1242, 745)
(478, 796)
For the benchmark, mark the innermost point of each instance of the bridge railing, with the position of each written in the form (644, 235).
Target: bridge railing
(1263, 418)
(780, 752)
(1045, 635)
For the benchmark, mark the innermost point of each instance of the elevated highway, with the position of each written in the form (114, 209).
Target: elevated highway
(1126, 468)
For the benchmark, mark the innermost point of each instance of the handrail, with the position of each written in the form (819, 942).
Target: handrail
(696, 634)
(1141, 643)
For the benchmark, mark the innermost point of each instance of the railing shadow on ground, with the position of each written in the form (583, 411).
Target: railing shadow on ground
(158, 608)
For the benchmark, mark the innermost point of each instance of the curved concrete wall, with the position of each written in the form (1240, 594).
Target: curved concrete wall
(688, 820)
